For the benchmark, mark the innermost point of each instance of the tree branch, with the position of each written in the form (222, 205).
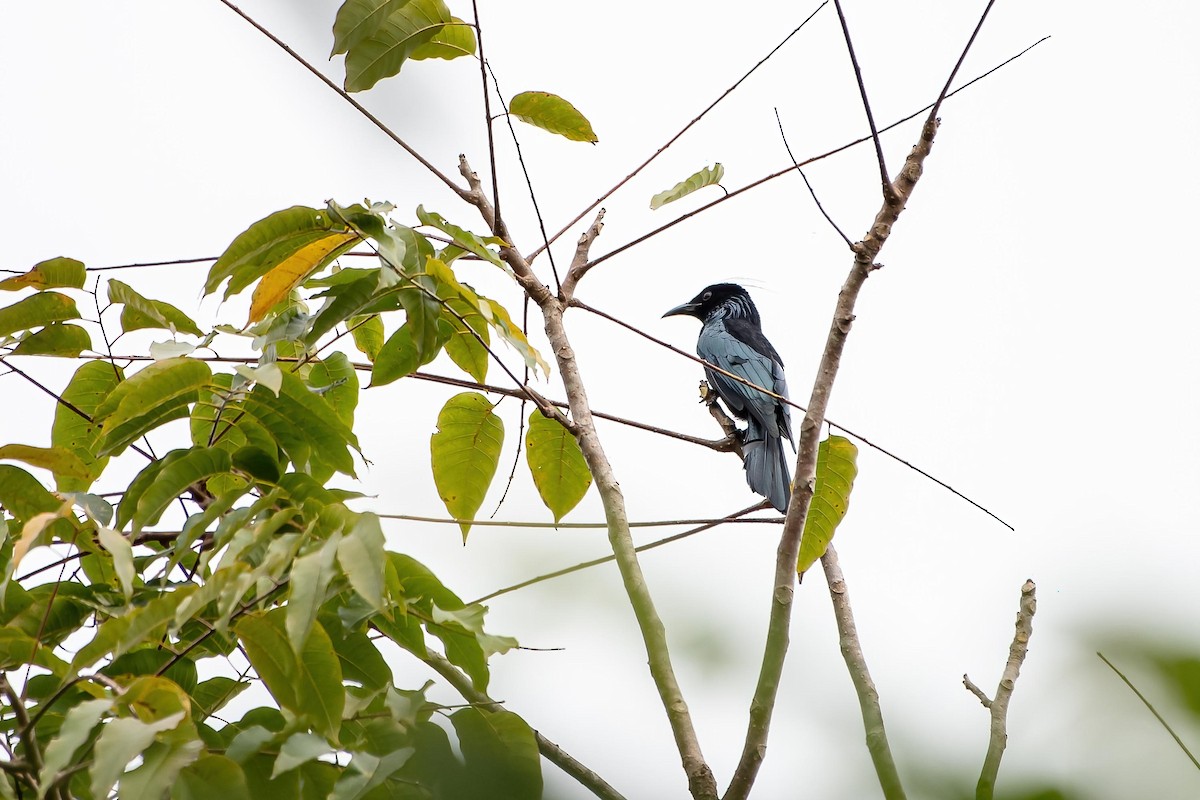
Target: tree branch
(864, 687)
(345, 96)
(885, 181)
(699, 774)
(549, 750)
(775, 651)
(674, 138)
(1017, 651)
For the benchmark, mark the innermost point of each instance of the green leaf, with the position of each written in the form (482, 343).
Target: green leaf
(74, 732)
(160, 766)
(268, 243)
(709, 176)
(358, 19)
(453, 41)
(52, 273)
(471, 242)
(556, 463)
(400, 356)
(211, 695)
(383, 52)
(311, 685)
(552, 113)
(118, 744)
(58, 460)
(56, 339)
(343, 301)
(837, 466)
(366, 771)
(35, 311)
(464, 347)
(360, 658)
(368, 334)
(299, 748)
(22, 495)
(336, 380)
(140, 312)
(122, 557)
(465, 451)
(88, 388)
(157, 486)
(211, 777)
(311, 575)
(501, 752)
(361, 556)
(153, 396)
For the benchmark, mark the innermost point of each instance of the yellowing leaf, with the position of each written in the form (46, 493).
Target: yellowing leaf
(837, 467)
(556, 463)
(465, 451)
(709, 176)
(55, 272)
(552, 113)
(291, 272)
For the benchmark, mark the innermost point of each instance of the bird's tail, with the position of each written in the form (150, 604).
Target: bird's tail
(766, 466)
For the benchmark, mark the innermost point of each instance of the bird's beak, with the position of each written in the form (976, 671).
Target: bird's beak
(686, 308)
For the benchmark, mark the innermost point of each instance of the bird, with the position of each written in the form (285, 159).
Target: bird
(731, 338)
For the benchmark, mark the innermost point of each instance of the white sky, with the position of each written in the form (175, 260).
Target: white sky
(1030, 341)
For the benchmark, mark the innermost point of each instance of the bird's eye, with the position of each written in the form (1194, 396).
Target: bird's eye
(706, 296)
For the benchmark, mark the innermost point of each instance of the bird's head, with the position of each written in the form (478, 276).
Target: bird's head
(727, 296)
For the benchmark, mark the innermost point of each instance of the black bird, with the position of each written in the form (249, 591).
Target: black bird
(731, 338)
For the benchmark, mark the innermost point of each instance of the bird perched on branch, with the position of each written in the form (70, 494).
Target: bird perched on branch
(731, 339)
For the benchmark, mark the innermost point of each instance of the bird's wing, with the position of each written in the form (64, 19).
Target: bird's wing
(718, 345)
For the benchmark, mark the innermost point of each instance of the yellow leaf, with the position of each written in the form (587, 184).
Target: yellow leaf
(275, 285)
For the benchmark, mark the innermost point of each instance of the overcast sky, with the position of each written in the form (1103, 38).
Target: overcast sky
(1030, 341)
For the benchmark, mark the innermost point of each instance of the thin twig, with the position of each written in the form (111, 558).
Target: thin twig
(1153, 710)
(487, 113)
(454, 187)
(552, 752)
(537, 210)
(67, 404)
(633, 329)
(885, 181)
(814, 159)
(496, 523)
(998, 738)
(674, 138)
(811, 191)
(708, 525)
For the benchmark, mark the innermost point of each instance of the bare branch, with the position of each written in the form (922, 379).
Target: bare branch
(458, 190)
(580, 265)
(885, 181)
(999, 707)
(806, 162)
(674, 138)
(864, 687)
(811, 191)
(984, 700)
(708, 525)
